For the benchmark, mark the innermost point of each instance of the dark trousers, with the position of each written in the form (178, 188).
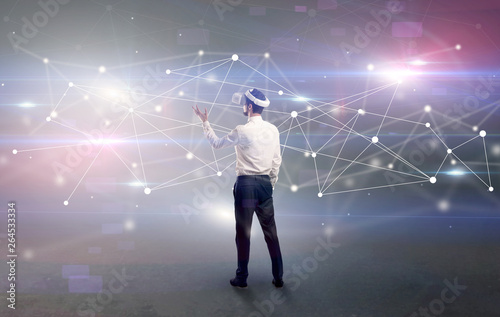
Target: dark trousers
(255, 193)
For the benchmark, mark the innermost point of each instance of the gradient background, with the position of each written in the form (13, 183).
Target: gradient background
(397, 242)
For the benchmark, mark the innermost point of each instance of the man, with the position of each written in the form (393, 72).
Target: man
(258, 160)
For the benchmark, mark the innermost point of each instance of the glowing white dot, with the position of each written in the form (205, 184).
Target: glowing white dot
(490, 189)
(427, 125)
(449, 151)
(348, 214)
(14, 152)
(201, 52)
(427, 108)
(320, 195)
(189, 156)
(168, 71)
(181, 93)
(219, 173)
(309, 108)
(134, 165)
(361, 111)
(313, 154)
(458, 47)
(147, 190)
(129, 225)
(307, 154)
(280, 92)
(130, 110)
(86, 97)
(370, 67)
(70, 84)
(28, 254)
(48, 119)
(433, 180)
(443, 205)
(482, 133)
(375, 139)
(131, 18)
(45, 60)
(294, 114)
(453, 162)
(391, 166)
(475, 128)
(66, 203)
(294, 188)
(3, 84)
(235, 57)
(158, 108)
(102, 69)
(266, 55)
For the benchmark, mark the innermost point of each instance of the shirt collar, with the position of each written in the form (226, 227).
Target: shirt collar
(255, 119)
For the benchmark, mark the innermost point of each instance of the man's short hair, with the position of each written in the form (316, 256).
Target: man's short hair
(259, 95)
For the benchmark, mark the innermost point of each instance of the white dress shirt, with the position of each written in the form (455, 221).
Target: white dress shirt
(257, 146)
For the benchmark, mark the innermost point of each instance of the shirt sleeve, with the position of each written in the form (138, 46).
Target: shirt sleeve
(231, 139)
(275, 167)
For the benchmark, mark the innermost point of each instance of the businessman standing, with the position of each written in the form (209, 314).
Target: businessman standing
(258, 159)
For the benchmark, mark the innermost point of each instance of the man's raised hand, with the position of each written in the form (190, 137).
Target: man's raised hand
(203, 116)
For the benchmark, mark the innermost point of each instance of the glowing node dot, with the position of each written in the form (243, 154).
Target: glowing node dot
(453, 162)
(294, 114)
(427, 108)
(391, 166)
(201, 53)
(313, 154)
(189, 156)
(168, 71)
(294, 188)
(280, 92)
(361, 111)
(219, 173)
(134, 165)
(66, 203)
(482, 133)
(475, 128)
(307, 154)
(48, 119)
(375, 139)
(320, 195)
(130, 110)
(70, 84)
(14, 152)
(458, 47)
(147, 190)
(490, 189)
(427, 125)
(181, 93)
(235, 57)
(267, 55)
(433, 180)
(102, 69)
(45, 60)
(449, 151)
(370, 67)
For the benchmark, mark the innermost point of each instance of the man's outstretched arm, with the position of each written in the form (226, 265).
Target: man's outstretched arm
(230, 139)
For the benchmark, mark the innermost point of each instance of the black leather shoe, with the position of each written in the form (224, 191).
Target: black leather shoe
(278, 283)
(238, 283)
